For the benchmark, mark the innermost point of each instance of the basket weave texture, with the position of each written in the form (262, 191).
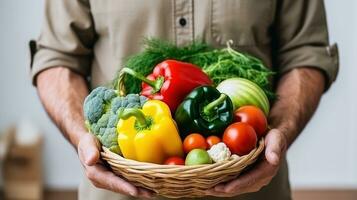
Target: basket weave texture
(175, 181)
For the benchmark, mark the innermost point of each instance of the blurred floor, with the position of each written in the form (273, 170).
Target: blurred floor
(297, 195)
(325, 195)
(60, 195)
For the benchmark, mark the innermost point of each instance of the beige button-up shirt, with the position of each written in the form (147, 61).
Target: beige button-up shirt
(93, 37)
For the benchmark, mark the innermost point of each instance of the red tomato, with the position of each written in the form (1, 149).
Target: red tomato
(212, 140)
(254, 117)
(175, 160)
(240, 138)
(194, 141)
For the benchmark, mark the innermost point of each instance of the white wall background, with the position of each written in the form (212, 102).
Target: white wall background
(325, 155)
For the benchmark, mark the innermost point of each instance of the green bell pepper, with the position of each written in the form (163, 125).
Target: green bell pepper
(206, 111)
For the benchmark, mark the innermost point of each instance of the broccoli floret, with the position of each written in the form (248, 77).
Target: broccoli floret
(105, 131)
(109, 138)
(101, 114)
(113, 120)
(96, 103)
(130, 101)
(101, 123)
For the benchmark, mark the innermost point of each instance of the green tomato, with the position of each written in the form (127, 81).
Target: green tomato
(198, 157)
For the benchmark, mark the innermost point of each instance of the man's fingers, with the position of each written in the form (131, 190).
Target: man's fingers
(105, 179)
(88, 150)
(275, 145)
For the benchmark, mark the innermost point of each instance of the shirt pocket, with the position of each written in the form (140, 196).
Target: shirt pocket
(246, 22)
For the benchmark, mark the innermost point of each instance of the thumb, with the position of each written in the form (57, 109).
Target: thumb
(88, 149)
(275, 145)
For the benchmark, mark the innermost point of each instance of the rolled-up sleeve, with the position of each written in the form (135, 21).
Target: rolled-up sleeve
(301, 37)
(66, 39)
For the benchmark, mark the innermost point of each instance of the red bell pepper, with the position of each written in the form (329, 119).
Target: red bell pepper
(171, 81)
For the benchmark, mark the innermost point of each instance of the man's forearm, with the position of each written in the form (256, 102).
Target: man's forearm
(299, 94)
(62, 93)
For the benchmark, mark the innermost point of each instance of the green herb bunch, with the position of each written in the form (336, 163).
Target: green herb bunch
(219, 64)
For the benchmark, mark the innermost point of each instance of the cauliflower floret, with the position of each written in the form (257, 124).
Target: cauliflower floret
(219, 152)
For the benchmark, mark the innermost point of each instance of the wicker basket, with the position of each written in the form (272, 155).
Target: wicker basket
(178, 181)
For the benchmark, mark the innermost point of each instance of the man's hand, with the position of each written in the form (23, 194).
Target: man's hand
(261, 174)
(99, 175)
(62, 93)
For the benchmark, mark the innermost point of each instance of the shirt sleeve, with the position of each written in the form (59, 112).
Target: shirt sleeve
(301, 38)
(66, 39)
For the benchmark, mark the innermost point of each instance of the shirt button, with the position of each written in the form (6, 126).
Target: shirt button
(182, 21)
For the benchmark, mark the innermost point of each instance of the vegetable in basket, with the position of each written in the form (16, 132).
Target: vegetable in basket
(254, 117)
(171, 81)
(100, 111)
(175, 160)
(205, 110)
(244, 92)
(240, 138)
(194, 141)
(219, 152)
(212, 140)
(198, 157)
(148, 134)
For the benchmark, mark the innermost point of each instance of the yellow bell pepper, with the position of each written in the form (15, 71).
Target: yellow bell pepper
(148, 134)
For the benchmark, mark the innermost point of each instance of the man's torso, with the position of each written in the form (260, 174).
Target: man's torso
(121, 26)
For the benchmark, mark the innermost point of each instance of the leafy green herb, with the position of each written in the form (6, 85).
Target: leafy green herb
(219, 64)
(228, 63)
